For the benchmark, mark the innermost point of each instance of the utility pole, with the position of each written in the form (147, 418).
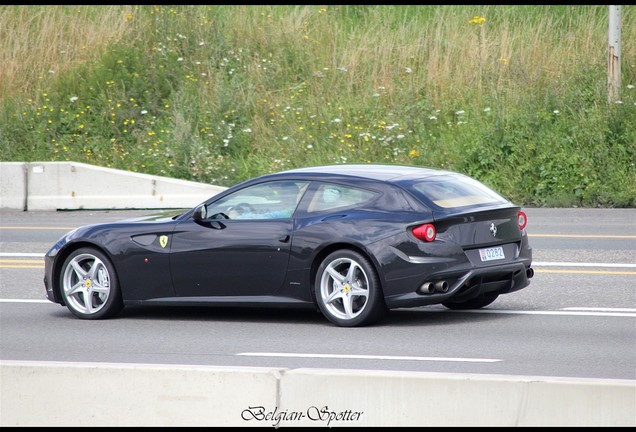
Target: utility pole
(614, 58)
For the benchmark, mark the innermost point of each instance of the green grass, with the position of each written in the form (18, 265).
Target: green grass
(515, 96)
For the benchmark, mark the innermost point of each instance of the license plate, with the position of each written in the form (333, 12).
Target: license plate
(490, 254)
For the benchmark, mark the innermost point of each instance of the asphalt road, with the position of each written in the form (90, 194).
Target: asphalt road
(576, 319)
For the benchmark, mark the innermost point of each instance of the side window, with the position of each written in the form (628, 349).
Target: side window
(331, 196)
(271, 200)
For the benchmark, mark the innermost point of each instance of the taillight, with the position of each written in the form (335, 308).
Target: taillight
(522, 220)
(426, 232)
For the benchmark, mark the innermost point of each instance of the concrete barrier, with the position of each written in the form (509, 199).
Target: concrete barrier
(73, 185)
(96, 394)
(13, 185)
(388, 398)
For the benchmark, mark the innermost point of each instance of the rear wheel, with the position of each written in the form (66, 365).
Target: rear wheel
(475, 303)
(348, 290)
(89, 285)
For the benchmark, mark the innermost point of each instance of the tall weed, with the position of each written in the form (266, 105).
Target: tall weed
(515, 96)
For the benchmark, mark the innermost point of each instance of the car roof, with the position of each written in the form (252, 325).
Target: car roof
(381, 172)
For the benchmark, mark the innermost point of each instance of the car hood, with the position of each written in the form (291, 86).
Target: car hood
(103, 233)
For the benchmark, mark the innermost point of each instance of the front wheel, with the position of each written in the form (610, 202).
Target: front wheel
(348, 290)
(475, 303)
(89, 285)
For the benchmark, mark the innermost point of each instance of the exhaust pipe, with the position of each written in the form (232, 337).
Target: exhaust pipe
(430, 287)
(427, 288)
(441, 286)
(530, 272)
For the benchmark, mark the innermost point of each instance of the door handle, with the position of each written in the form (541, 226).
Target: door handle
(284, 239)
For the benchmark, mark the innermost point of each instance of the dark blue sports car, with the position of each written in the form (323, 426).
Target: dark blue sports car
(353, 241)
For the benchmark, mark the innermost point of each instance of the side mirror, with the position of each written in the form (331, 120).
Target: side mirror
(200, 213)
(200, 216)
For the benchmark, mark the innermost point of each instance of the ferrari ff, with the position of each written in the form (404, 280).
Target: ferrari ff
(351, 241)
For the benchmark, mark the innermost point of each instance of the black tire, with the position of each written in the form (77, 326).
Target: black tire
(475, 303)
(348, 290)
(89, 285)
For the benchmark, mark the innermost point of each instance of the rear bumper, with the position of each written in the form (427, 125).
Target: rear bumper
(463, 286)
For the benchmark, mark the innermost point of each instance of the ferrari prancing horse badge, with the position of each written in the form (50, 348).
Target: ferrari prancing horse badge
(163, 241)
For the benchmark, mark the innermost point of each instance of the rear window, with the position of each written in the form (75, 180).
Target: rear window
(455, 191)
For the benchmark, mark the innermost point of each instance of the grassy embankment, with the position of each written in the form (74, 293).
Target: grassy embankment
(515, 96)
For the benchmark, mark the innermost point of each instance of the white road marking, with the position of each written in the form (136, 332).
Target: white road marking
(24, 301)
(370, 357)
(575, 264)
(573, 311)
(563, 312)
(600, 309)
(534, 263)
